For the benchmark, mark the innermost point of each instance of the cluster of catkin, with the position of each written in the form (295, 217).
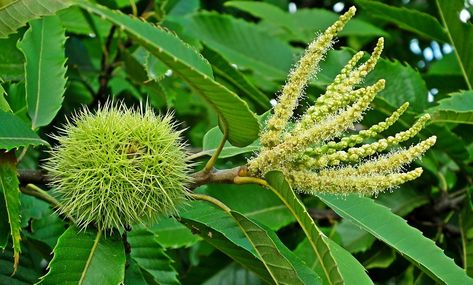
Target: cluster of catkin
(315, 152)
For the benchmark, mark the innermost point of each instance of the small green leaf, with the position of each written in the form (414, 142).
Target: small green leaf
(15, 13)
(150, 256)
(408, 19)
(213, 138)
(380, 222)
(86, 257)
(10, 192)
(460, 34)
(458, 108)
(234, 113)
(43, 47)
(317, 240)
(14, 133)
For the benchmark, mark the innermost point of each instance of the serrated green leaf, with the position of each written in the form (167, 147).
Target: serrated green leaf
(353, 273)
(15, 13)
(280, 268)
(403, 84)
(303, 24)
(14, 133)
(408, 19)
(457, 108)
(317, 240)
(235, 115)
(171, 234)
(380, 222)
(460, 34)
(150, 256)
(233, 76)
(10, 192)
(243, 43)
(223, 233)
(43, 47)
(11, 59)
(213, 138)
(86, 257)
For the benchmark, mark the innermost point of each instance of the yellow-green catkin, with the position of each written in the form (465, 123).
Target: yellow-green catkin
(317, 154)
(340, 93)
(298, 79)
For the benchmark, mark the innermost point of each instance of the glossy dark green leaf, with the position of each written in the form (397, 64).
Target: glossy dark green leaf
(379, 221)
(86, 257)
(15, 133)
(43, 47)
(235, 115)
(10, 194)
(15, 13)
(150, 256)
(408, 19)
(457, 108)
(460, 34)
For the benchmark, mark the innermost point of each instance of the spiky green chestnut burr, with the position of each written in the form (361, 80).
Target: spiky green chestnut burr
(317, 154)
(118, 166)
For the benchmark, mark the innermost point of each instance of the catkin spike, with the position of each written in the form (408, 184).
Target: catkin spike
(298, 79)
(358, 138)
(333, 183)
(339, 93)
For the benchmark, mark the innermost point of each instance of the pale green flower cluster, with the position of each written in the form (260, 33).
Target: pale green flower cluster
(316, 154)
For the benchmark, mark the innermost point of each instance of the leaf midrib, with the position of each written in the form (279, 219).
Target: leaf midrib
(91, 255)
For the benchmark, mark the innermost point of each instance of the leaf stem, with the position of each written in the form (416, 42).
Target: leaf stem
(210, 164)
(211, 200)
(33, 190)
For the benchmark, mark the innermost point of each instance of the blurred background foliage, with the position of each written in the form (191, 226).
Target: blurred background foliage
(251, 46)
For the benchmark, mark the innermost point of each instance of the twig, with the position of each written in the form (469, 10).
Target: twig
(198, 178)
(37, 192)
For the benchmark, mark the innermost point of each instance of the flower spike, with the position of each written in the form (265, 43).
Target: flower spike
(310, 153)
